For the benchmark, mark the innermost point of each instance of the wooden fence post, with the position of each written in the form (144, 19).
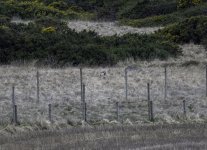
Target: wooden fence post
(126, 85)
(81, 83)
(13, 106)
(50, 112)
(184, 107)
(83, 102)
(15, 115)
(165, 83)
(84, 93)
(148, 100)
(13, 96)
(38, 87)
(206, 80)
(85, 112)
(117, 111)
(151, 112)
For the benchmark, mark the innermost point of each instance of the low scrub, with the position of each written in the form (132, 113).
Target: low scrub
(166, 19)
(189, 30)
(36, 9)
(51, 42)
(150, 8)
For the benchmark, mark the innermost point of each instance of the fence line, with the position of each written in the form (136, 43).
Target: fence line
(85, 106)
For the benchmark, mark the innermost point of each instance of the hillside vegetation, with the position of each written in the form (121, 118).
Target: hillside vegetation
(48, 40)
(52, 42)
(162, 17)
(189, 30)
(37, 8)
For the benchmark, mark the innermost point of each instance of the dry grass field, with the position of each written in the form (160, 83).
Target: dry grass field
(186, 80)
(156, 137)
(61, 87)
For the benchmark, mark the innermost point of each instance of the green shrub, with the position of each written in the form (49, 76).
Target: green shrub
(149, 8)
(48, 30)
(149, 21)
(65, 46)
(188, 3)
(4, 19)
(191, 29)
(162, 20)
(36, 9)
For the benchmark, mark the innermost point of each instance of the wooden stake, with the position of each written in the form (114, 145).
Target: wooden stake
(38, 88)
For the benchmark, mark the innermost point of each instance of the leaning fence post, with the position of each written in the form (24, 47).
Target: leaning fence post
(117, 111)
(148, 100)
(50, 112)
(165, 83)
(184, 107)
(38, 87)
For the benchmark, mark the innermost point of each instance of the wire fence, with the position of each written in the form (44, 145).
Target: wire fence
(133, 93)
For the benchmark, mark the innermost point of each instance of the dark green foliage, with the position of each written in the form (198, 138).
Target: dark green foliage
(4, 19)
(167, 19)
(193, 29)
(106, 9)
(151, 8)
(35, 9)
(59, 45)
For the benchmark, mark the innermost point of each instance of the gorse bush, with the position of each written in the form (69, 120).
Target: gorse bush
(52, 42)
(36, 9)
(188, 3)
(48, 30)
(149, 8)
(193, 29)
(162, 20)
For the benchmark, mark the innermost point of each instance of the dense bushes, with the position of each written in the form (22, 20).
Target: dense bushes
(148, 8)
(163, 20)
(160, 11)
(192, 29)
(188, 3)
(52, 42)
(36, 9)
(132, 9)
